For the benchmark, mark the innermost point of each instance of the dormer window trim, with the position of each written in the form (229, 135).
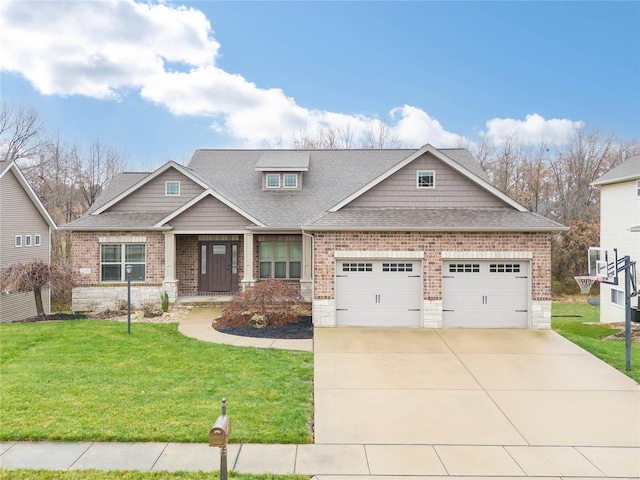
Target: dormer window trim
(290, 176)
(272, 177)
(172, 188)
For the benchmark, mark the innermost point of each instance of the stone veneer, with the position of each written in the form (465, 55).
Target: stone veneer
(534, 247)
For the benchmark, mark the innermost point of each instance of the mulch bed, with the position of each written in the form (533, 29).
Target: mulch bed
(302, 329)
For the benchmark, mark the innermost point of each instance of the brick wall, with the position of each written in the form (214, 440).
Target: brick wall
(86, 254)
(432, 244)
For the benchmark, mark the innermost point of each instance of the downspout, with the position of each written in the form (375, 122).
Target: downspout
(313, 277)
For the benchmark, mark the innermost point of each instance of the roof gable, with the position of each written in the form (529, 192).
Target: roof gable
(475, 178)
(12, 168)
(219, 207)
(451, 189)
(144, 179)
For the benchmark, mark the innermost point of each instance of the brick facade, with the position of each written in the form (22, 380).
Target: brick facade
(432, 244)
(86, 254)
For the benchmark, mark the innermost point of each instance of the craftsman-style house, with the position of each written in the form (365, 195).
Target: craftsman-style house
(371, 237)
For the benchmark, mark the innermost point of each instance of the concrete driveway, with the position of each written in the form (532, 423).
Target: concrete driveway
(468, 387)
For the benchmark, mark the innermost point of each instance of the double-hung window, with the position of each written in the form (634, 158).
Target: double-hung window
(38, 240)
(280, 260)
(18, 241)
(114, 257)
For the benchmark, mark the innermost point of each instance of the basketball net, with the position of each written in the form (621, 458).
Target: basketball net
(585, 282)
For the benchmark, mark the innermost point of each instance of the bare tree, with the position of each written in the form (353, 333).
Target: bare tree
(97, 169)
(34, 276)
(20, 132)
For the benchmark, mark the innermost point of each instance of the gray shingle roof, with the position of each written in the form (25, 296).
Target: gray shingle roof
(436, 219)
(627, 170)
(118, 220)
(332, 176)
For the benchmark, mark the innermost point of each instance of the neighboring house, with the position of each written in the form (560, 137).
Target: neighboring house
(619, 228)
(25, 235)
(371, 237)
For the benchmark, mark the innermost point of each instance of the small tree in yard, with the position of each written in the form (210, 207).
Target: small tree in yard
(34, 276)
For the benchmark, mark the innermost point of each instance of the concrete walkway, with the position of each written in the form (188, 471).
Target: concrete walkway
(334, 462)
(197, 324)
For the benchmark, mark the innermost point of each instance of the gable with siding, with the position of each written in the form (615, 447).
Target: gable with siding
(451, 189)
(207, 215)
(151, 196)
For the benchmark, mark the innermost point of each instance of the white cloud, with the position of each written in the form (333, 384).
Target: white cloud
(167, 54)
(534, 129)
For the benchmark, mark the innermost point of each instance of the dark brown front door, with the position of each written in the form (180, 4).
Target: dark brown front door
(217, 267)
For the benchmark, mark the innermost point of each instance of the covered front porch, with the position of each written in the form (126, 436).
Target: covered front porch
(218, 265)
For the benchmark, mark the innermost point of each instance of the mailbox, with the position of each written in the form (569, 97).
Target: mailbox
(219, 433)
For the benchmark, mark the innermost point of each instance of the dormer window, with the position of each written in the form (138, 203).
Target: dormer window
(290, 180)
(172, 189)
(273, 180)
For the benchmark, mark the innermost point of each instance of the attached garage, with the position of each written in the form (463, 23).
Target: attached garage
(379, 293)
(485, 294)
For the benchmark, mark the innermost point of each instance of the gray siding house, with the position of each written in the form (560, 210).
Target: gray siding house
(25, 235)
(407, 237)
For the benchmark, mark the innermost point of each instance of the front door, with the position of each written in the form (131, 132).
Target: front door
(218, 267)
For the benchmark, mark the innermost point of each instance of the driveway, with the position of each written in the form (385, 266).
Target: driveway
(468, 387)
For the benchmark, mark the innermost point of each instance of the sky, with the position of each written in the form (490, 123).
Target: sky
(158, 80)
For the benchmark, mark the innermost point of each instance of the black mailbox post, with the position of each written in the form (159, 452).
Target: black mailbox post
(219, 437)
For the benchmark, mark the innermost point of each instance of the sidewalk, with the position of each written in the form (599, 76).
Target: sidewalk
(332, 461)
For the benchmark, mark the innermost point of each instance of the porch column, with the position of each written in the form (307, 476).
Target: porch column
(170, 283)
(306, 280)
(248, 261)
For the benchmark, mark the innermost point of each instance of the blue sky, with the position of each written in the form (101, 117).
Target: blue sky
(159, 80)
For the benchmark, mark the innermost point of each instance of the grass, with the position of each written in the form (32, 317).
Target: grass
(88, 380)
(131, 475)
(590, 337)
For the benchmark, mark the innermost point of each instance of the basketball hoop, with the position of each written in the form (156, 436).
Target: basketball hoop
(585, 282)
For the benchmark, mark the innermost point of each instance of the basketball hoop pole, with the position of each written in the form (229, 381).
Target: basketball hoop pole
(627, 311)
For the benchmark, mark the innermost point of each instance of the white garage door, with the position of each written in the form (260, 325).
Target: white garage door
(380, 293)
(485, 294)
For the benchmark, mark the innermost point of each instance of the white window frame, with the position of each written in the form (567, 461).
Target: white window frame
(37, 240)
(272, 175)
(167, 188)
(419, 173)
(617, 297)
(293, 176)
(27, 240)
(123, 262)
(18, 241)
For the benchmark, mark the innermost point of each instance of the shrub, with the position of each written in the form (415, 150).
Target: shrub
(164, 299)
(278, 302)
(150, 309)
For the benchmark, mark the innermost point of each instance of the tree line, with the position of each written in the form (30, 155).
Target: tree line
(550, 180)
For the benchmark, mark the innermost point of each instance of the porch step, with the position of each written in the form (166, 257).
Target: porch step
(218, 301)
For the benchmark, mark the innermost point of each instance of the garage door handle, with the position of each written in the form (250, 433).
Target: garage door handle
(342, 276)
(413, 276)
(522, 277)
(444, 310)
(448, 276)
(414, 309)
(522, 311)
(341, 309)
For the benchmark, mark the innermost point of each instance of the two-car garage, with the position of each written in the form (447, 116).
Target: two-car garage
(475, 293)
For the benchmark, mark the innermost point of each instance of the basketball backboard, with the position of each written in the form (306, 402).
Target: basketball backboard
(603, 263)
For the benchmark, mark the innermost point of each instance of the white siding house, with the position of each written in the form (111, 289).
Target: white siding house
(25, 235)
(619, 228)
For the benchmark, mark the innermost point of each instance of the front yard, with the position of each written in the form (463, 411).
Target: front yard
(90, 380)
(574, 321)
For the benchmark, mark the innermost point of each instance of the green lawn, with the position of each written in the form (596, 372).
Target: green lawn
(590, 337)
(130, 475)
(89, 380)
